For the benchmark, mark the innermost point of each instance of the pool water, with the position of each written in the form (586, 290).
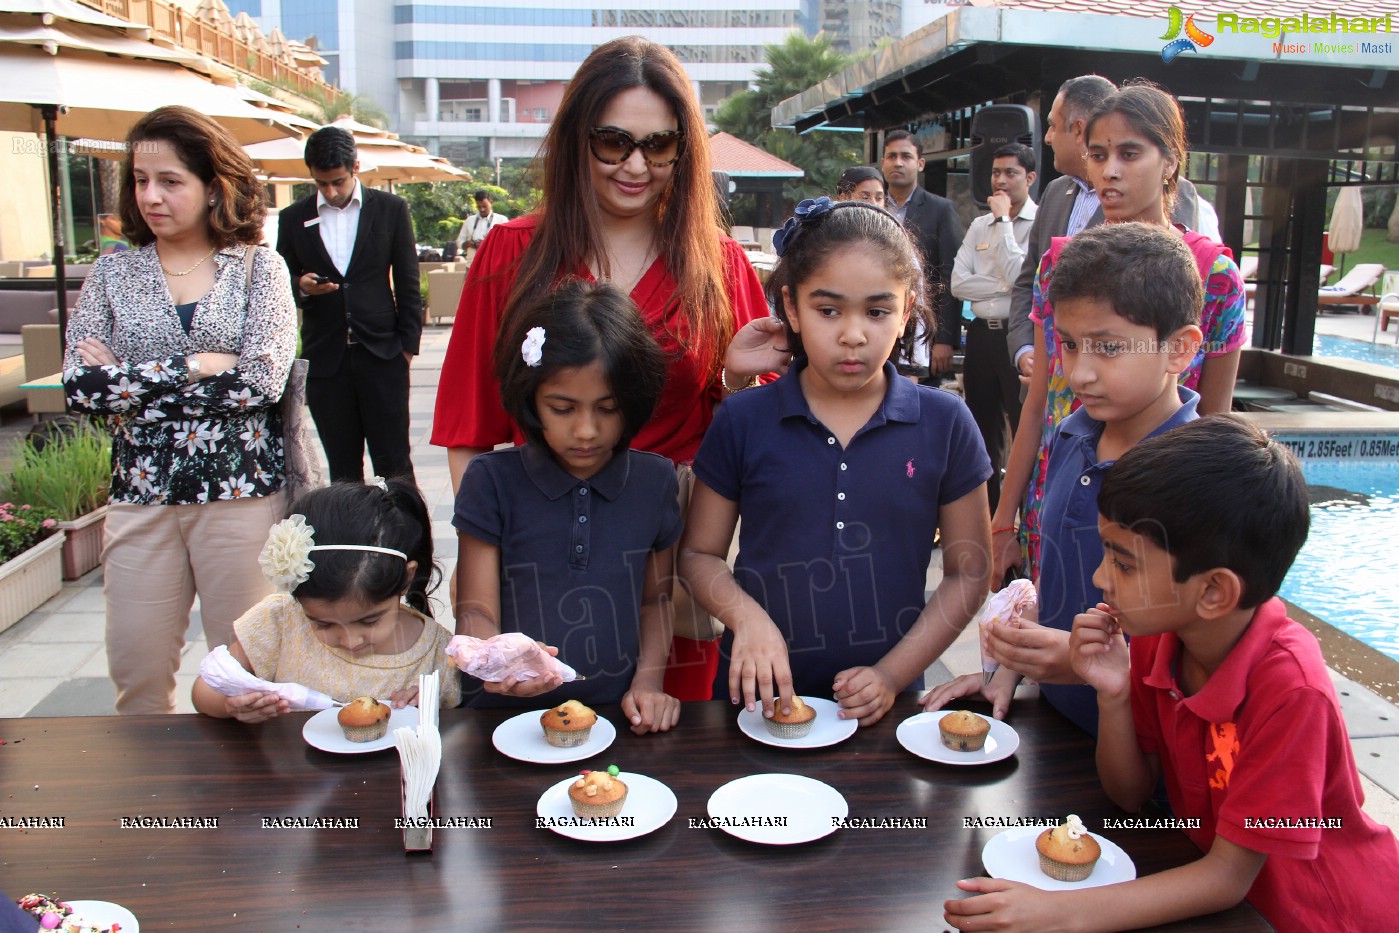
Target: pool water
(1348, 571)
(1383, 353)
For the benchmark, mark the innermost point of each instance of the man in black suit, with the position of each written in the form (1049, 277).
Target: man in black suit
(939, 232)
(342, 246)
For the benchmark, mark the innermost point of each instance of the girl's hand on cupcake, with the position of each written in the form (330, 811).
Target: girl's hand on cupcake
(864, 693)
(1002, 905)
(650, 710)
(405, 697)
(759, 671)
(1098, 651)
(258, 706)
(999, 692)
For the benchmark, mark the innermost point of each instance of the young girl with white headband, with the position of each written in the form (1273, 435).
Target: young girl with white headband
(355, 566)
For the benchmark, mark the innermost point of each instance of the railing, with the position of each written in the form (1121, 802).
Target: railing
(207, 39)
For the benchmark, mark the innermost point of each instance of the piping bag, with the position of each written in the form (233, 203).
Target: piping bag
(1003, 607)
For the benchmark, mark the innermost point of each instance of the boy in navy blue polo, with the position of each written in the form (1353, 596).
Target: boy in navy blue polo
(841, 471)
(1126, 304)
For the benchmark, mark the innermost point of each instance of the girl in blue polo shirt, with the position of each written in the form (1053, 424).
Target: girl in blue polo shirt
(570, 538)
(841, 472)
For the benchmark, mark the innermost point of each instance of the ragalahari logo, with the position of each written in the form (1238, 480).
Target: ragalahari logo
(1175, 43)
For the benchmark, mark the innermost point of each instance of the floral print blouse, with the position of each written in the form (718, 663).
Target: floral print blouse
(175, 442)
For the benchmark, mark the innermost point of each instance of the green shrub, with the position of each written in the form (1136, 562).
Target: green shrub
(69, 473)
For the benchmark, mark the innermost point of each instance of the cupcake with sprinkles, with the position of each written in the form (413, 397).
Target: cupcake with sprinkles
(598, 793)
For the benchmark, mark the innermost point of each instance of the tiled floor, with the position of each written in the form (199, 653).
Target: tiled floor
(53, 662)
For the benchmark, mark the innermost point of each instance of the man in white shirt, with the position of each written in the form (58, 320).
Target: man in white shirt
(474, 228)
(984, 273)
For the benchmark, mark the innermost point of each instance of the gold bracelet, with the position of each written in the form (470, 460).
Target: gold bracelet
(724, 381)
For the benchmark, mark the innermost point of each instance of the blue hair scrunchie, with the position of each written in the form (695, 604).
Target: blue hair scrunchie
(808, 211)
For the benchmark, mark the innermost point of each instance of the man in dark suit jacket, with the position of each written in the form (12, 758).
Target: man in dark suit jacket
(939, 232)
(1069, 198)
(342, 246)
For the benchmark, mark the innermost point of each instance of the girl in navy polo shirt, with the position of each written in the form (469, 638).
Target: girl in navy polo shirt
(841, 471)
(570, 538)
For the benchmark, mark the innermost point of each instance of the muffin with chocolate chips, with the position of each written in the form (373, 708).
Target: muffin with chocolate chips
(568, 725)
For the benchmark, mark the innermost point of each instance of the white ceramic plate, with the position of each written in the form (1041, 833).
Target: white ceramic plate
(1012, 855)
(650, 805)
(920, 735)
(323, 731)
(104, 914)
(522, 738)
(826, 728)
(809, 808)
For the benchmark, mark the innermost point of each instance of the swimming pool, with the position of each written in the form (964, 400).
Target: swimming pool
(1383, 353)
(1346, 573)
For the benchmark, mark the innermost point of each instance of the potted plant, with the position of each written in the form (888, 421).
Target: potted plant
(30, 560)
(67, 471)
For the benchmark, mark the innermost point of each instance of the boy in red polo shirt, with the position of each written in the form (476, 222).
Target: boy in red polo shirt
(1225, 696)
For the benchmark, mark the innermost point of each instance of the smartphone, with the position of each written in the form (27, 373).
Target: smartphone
(321, 279)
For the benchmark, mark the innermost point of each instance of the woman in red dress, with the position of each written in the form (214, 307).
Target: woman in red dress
(627, 197)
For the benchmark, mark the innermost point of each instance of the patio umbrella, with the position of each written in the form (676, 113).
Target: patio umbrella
(383, 158)
(66, 70)
(1347, 223)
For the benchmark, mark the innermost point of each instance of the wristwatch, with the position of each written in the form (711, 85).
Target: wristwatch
(1003, 220)
(192, 364)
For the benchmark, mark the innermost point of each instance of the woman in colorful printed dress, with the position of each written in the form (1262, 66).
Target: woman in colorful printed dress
(1136, 150)
(184, 342)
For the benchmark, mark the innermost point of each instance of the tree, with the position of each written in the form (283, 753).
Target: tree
(792, 66)
(438, 208)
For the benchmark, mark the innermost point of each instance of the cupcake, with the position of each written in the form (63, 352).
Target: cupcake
(568, 725)
(963, 731)
(792, 725)
(598, 793)
(364, 719)
(1068, 852)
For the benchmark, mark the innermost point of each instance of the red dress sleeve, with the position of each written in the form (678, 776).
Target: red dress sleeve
(468, 412)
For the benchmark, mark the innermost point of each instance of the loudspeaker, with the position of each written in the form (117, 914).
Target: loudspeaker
(992, 128)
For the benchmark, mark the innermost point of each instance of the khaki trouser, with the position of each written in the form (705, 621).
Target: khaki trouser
(156, 559)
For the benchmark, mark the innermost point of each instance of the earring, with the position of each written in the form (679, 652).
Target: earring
(212, 202)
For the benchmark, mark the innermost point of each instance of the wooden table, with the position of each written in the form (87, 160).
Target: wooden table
(93, 771)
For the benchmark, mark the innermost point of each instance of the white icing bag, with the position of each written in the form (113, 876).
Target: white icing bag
(222, 671)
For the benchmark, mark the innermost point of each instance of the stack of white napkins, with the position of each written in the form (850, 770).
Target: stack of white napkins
(420, 750)
(221, 670)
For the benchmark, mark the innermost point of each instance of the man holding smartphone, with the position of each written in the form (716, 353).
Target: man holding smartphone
(344, 245)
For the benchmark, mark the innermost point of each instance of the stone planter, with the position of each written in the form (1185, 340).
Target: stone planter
(82, 543)
(28, 580)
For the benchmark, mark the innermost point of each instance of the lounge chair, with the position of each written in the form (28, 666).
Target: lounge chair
(1352, 287)
(1389, 304)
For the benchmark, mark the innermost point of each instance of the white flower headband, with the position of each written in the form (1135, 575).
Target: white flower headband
(286, 558)
(532, 350)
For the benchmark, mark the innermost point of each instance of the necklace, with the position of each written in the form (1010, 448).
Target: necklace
(191, 268)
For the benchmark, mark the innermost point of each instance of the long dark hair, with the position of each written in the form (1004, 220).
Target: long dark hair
(215, 158)
(687, 221)
(354, 513)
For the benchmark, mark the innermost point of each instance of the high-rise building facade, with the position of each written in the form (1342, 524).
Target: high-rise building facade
(482, 79)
